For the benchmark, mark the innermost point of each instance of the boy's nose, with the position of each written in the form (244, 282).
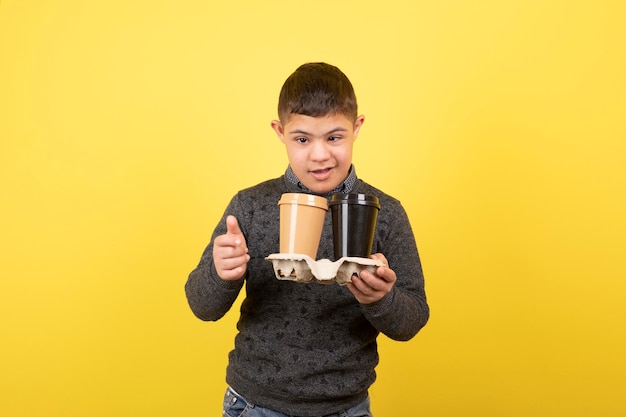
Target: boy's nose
(319, 152)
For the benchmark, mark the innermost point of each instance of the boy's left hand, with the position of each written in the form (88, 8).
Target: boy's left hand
(367, 287)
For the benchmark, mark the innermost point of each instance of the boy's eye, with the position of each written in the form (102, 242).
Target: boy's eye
(301, 139)
(333, 138)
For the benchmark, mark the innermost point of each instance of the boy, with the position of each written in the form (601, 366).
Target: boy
(308, 349)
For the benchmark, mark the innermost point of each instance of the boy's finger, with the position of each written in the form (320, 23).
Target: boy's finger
(386, 273)
(232, 225)
(372, 280)
(379, 257)
(383, 273)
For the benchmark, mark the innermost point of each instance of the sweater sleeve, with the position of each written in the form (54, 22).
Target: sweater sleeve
(209, 296)
(404, 311)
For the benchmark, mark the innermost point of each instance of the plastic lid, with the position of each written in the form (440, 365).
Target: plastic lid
(363, 199)
(304, 199)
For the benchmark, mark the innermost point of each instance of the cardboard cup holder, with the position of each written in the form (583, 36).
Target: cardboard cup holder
(301, 222)
(302, 268)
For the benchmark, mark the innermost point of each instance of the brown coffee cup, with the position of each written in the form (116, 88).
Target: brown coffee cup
(301, 222)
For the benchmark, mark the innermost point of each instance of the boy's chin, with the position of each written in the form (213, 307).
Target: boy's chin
(322, 188)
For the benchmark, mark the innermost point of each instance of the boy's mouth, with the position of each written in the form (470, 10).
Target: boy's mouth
(321, 174)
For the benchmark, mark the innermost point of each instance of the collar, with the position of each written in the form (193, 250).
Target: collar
(345, 187)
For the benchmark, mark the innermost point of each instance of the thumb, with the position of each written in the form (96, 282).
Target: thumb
(232, 225)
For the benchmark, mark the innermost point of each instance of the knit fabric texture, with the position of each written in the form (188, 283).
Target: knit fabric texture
(308, 349)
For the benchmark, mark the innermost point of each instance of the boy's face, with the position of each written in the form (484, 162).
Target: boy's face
(319, 148)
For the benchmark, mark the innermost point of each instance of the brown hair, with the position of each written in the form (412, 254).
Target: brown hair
(317, 89)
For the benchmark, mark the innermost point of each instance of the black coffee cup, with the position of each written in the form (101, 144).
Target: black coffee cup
(354, 223)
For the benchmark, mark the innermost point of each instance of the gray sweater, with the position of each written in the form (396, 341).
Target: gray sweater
(308, 349)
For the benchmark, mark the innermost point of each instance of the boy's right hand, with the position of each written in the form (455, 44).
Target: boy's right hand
(230, 252)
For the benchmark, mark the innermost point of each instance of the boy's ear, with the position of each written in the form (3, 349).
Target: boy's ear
(278, 128)
(357, 125)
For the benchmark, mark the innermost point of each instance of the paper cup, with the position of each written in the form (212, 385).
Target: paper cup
(301, 223)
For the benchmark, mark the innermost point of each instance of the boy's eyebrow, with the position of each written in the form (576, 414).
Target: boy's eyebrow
(303, 132)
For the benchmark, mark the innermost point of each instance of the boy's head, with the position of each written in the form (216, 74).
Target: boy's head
(317, 89)
(318, 125)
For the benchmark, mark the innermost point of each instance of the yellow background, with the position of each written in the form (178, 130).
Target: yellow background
(126, 126)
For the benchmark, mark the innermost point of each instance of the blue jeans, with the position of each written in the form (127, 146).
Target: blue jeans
(236, 406)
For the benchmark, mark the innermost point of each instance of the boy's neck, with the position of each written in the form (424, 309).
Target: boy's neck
(345, 187)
